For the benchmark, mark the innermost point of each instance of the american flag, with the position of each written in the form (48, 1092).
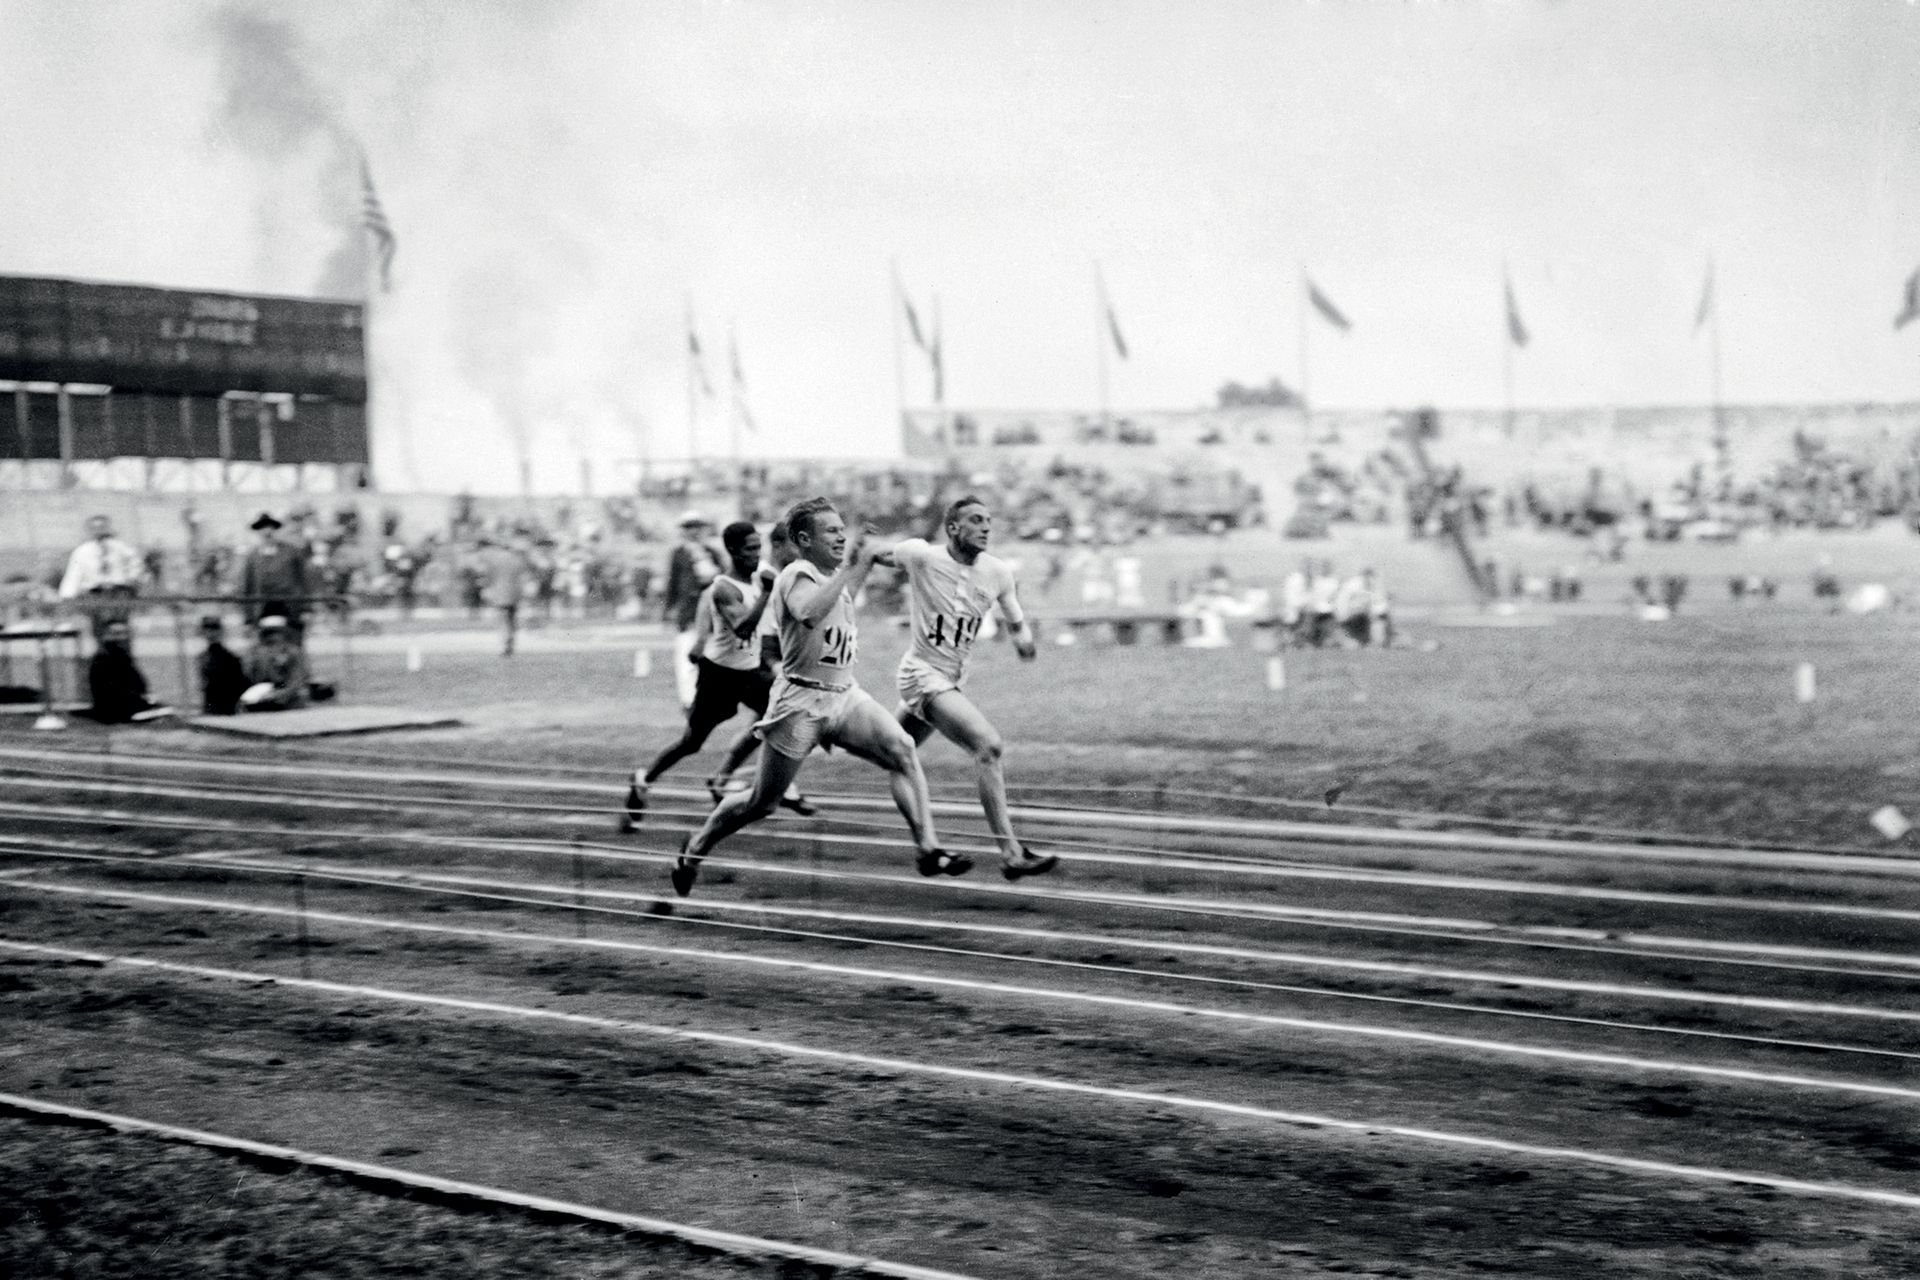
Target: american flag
(374, 219)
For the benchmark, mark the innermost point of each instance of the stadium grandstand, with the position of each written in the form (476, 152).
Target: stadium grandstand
(117, 386)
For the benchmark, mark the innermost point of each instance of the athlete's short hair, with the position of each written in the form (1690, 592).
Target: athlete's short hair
(958, 505)
(800, 518)
(735, 535)
(778, 534)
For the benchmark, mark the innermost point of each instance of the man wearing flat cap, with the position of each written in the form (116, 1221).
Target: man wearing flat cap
(691, 567)
(274, 580)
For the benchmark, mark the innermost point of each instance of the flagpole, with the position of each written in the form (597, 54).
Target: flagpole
(939, 367)
(1101, 307)
(1306, 328)
(1713, 357)
(693, 400)
(1506, 347)
(733, 416)
(897, 300)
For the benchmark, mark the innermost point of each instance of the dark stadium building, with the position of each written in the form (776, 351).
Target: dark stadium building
(105, 372)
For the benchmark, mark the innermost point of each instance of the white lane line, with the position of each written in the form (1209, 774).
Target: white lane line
(752, 1248)
(1168, 862)
(1889, 864)
(1132, 1004)
(910, 1066)
(572, 902)
(1527, 1015)
(1596, 941)
(1398, 969)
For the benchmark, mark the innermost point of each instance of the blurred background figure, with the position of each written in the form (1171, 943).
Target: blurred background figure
(103, 576)
(274, 578)
(689, 569)
(503, 573)
(276, 669)
(223, 677)
(119, 690)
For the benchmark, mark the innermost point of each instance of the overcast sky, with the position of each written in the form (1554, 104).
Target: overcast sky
(563, 177)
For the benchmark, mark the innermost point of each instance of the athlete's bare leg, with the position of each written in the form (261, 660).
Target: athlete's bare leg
(743, 808)
(963, 724)
(873, 735)
(737, 754)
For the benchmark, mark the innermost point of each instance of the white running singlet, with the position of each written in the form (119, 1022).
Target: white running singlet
(948, 601)
(823, 653)
(718, 644)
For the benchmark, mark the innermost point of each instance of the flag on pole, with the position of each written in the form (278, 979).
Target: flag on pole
(739, 384)
(1113, 321)
(694, 356)
(1516, 331)
(1910, 305)
(374, 219)
(1324, 305)
(1704, 312)
(937, 359)
(913, 317)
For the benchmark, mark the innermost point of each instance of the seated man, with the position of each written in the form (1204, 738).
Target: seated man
(223, 678)
(276, 669)
(119, 690)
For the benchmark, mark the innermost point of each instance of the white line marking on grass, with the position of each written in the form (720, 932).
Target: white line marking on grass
(1872, 1195)
(754, 1248)
(1132, 1004)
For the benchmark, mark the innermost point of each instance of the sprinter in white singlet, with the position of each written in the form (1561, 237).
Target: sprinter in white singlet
(815, 700)
(950, 589)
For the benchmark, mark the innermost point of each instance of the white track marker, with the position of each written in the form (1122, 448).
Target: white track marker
(642, 663)
(908, 1066)
(1475, 1044)
(1890, 822)
(753, 1247)
(1803, 685)
(413, 657)
(1276, 673)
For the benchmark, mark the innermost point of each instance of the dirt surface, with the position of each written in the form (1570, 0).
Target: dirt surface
(87, 1204)
(1737, 1014)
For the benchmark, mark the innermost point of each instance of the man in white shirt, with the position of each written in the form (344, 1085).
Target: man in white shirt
(951, 589)
(103, 575)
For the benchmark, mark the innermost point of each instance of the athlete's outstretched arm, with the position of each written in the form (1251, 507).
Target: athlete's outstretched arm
(750, 622)
(1023, 642)
(808, 604)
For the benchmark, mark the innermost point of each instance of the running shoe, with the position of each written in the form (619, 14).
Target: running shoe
(938, 862)
(685, 870)
(798, 803)
(636, 803)
(1028, 863)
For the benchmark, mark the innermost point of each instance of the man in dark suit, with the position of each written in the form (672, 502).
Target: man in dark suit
(274, 579)
(223, 678)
